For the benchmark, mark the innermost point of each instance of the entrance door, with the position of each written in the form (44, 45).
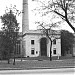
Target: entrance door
(43, 47)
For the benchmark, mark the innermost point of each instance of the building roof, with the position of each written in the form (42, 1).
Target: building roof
(40, 32)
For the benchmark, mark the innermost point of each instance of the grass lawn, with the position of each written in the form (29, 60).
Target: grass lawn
(36, 64)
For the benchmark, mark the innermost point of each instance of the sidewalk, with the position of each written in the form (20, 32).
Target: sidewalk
(46, 58)
(62, 71)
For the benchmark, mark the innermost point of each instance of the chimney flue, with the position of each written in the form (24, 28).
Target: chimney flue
(25, 19)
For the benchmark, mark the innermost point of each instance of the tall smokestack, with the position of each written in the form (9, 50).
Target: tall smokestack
(25, 21)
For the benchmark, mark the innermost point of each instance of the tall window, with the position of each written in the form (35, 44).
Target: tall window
(32, 42)
(18, 47)
(54, 41)
(54, 51)
(32, 51)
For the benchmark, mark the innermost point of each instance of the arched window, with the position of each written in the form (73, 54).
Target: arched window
(54, 41)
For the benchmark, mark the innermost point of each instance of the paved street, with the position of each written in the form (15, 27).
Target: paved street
(62, 71)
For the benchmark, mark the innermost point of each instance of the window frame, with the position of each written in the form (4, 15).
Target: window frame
(54, 41)
(32, 51)
(54, 51)
(32, 42)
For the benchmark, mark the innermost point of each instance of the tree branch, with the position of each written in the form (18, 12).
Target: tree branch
(70, 24)
(46, 31)
(59, 14)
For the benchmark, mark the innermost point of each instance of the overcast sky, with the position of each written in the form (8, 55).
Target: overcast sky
(18, 3)
(32, 16)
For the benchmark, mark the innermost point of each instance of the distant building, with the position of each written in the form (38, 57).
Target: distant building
(74, 47)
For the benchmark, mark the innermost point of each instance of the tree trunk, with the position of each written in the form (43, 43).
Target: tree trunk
(50, 47)
(8, 61)
(14, 55)
(51, 51)
(14, 58)
(8, 57)
(14, 61)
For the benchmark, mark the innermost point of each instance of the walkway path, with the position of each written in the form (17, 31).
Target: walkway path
(62, 71)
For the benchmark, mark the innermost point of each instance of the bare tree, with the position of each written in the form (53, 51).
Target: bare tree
(65, 9)
(47, 30)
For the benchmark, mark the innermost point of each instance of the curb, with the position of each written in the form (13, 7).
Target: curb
(37, 68)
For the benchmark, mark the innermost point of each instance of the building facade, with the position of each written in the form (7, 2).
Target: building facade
(37, 44)
(34, 42)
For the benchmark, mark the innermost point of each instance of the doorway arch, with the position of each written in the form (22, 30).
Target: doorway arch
(43, 47)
